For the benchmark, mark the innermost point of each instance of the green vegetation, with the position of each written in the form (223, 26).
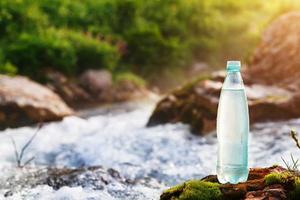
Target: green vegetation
(193, 190)
(275, 178)
(294, 195)
(125, 76)
(139, 36)
(288, 179)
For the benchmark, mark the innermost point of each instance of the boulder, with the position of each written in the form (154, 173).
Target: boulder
(70, 91)
(271, 82)
(96, 81)
(196, 104)
(92, 88)
(24, 102)
(263, 183)
(96, 179)
(276, 59)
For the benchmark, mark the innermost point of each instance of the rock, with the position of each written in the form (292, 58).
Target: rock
(276, 60)
(271, 82)
(125, 90)
(70, 91)
(92, 178)
(95, 177)
(255, 188)
(96, 81)
(24, 102)
(94, 88)
(274, 192)
(196, 104)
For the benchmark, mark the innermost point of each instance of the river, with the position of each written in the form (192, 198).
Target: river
(116, 137)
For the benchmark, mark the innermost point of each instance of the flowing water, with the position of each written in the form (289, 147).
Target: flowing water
(159, 156)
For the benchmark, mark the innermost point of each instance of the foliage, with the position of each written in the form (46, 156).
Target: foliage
(295, 138)
(144, 36)
(193, 190)
(294, 195)
(8, 68)
(274, 178)
(20, 154)
(294, 165)
(124, 76)
(290, 179)
(67, 51)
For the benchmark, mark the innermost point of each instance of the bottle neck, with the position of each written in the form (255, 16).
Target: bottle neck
(233, 80)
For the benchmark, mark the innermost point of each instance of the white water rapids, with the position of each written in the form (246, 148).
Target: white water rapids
(164, 155)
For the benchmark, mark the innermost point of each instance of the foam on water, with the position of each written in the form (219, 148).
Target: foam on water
(168, 153)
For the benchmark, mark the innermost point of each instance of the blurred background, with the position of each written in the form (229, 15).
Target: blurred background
(157, 42)
(117, 99)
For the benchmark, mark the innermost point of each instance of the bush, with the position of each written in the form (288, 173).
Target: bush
(66, 51)
(92, 52)
(146, 36)
(8, 68)
(31, 52)
(149, 49)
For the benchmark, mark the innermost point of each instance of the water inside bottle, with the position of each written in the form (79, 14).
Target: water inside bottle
(232, 129)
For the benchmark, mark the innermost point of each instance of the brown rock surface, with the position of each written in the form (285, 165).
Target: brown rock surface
(196, 104)
(276, 60)
(24, 102)
(255, 188)
(94, 87)
(71, 92)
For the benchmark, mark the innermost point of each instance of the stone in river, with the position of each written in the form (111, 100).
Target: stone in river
(24, 102)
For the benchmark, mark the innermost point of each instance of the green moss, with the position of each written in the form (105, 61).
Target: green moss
(296, 192)
(193, 190)
(277, 178)
(273, 178)
(128, 76)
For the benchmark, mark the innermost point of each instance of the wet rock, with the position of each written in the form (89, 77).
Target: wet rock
(93, 178)
(196, 104)
(23, 102)
(253, 189)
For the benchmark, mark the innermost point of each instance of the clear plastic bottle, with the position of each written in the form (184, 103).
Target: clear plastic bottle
(233, 128)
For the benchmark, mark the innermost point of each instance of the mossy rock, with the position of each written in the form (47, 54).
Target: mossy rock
(193, 190)
(275, 178)
(263, 183)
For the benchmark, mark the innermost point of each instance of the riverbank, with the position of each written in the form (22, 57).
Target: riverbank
(154, 158)
(26, 102)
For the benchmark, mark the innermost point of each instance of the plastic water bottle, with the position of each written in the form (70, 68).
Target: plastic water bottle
(233, 128)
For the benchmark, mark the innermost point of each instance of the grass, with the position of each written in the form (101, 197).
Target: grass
(193, 190)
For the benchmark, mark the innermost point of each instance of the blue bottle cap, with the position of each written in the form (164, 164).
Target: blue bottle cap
(233, 66)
